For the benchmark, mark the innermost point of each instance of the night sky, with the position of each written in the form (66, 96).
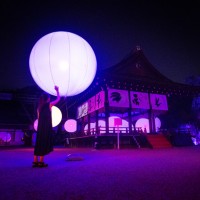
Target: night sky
(168, 34)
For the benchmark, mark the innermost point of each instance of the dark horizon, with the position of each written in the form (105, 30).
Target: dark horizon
(167, 33)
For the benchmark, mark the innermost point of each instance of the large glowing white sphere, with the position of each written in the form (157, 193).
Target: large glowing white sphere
(63, 59)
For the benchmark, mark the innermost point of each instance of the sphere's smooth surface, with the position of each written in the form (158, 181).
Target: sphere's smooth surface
(56, 116)
(63, 59)
(70, 125)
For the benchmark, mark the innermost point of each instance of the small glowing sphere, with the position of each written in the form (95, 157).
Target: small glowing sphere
(56, 118)
(5, 137)
(92, 125)
(35, 124)
(63, 59)
(70, 125)
(143, 123)
(157, 123)
(101, 123)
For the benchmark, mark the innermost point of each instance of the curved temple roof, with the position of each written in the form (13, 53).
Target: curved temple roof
(136, 67)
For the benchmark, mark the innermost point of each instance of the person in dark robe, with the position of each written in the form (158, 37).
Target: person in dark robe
(44, 137)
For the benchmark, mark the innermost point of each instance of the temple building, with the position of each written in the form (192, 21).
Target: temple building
(132, 98)
(130, 104)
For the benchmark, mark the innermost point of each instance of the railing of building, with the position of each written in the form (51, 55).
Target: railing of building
(113, 130)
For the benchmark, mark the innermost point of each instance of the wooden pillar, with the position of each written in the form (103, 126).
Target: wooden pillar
(107, 114)
(129, 115)
(151, 118)
(97, 122)
(82, 124)
(130, 121)
(153, 121)
(88, 116)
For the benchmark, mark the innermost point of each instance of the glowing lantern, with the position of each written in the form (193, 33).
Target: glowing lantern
(70, 125)
(101, 123)
(63, 59)
(157, 123)
(5, 137)
(35, 125)
(56, 117)
(143, 123)
(92, 126)
(102, 126)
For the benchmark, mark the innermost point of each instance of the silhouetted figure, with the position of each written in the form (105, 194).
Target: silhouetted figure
(44, 137)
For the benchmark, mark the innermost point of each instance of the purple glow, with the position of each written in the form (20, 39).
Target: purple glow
(117, 121)
(70, 125)
(92, 126)
(5, 137)
(35, 124)
(144, 124)
(102, 124)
